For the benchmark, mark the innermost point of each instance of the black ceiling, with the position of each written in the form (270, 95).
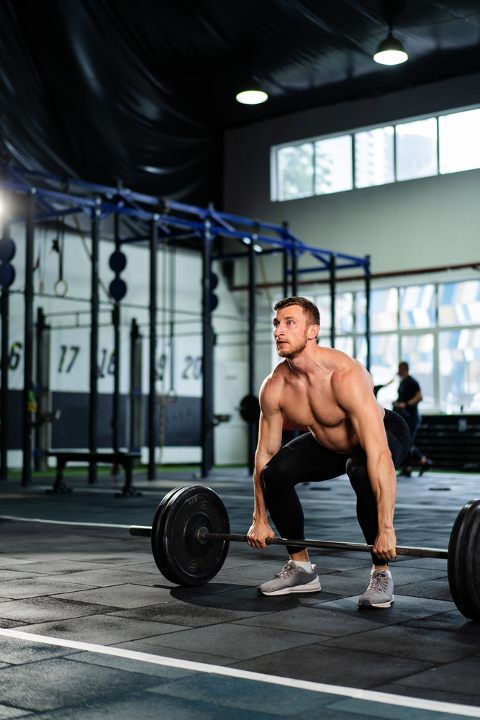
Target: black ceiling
(139, 91)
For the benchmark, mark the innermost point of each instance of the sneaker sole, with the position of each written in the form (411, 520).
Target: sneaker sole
(313, 586)
(377, 605)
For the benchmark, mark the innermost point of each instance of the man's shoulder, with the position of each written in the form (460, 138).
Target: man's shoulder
(276, 378)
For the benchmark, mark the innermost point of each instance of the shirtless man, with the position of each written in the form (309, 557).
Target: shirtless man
(331, 394)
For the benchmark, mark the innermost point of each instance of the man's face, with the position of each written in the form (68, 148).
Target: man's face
(291, 331)
(402, 371)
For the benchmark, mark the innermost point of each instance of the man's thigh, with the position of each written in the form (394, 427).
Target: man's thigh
(305, 460)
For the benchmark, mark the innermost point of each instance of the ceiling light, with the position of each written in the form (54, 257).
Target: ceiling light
(390, 51)
(257, 248)
(251, 97)
(246, 240)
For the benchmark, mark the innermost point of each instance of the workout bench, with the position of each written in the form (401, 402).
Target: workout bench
(125, 459)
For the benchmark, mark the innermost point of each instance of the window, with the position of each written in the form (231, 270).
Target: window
(459, 303)
(459, 141)
(374, 157)
(418, 351)
(394, 152)
(383, 310)
(416, 149)
(417, 307)
(460, 370)
(333, 165)
(295, 171)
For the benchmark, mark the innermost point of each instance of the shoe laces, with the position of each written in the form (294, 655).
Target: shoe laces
(287, 569)
(378, 581)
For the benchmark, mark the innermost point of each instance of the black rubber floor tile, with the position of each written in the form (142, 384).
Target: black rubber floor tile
(56, 566)
(449, 694)
(434, 589)
(44, 609)
(231, 692)
(152, 646)
(253, 605)
(102, 629)
(56, 683)
(460, 676)
(404, 609)
(236, 641)
(333, 666)
(365, 708)
(120, 596)
(452, 621)
(418, 644)
(37, 586)
(105, 576)
(163, 673)
(314, 619)
(18, 652)
(9, 713)
(152, 707)
(8, 562)
(10, 574)
(180, 613)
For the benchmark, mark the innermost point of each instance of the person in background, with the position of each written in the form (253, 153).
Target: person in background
(406, 405)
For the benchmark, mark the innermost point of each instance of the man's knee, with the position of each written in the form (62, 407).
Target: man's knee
(357, 473)
(274, 480)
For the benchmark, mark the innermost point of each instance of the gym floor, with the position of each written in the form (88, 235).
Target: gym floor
(89, 628)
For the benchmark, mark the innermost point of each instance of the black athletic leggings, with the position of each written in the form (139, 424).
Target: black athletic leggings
(304, 460)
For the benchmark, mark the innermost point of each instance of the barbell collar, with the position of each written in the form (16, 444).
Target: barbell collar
(202, 535)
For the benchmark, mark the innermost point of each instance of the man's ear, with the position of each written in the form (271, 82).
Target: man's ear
(313, 331)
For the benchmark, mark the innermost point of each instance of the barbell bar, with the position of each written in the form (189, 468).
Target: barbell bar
(190, 536)
(203, 535)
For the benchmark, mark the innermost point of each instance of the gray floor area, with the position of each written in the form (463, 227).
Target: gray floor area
(99, 585)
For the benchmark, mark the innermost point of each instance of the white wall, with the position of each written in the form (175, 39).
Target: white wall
(409, 225)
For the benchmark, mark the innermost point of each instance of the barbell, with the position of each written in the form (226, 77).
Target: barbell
(190, 538)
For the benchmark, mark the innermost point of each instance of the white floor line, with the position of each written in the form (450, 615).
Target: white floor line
(366, 695)
(19, 518)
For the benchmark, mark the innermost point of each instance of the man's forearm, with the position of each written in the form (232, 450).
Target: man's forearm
(383, 480)
(259, 504)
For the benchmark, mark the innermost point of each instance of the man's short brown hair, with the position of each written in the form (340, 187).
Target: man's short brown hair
(309, 308)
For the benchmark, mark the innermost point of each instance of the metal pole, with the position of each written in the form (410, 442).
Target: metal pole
(28, 330)
(134, 391)
(152, 372)
(294, 256)
(332, 283)
(117, 355)
(94, 308)
(367, 312)
(207, 352)
(285, 259)
(116, 378)
(5, 313)
(38, 458)
(252, 425)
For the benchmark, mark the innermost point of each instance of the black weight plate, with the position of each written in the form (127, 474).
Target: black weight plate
(118, 289)
(464, 560)
(118, 261)
(7, 275)
(250, 408)
(179, 556)
(7, 250)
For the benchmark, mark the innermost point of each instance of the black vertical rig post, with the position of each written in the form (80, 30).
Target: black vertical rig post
(135, 393)
(294, 254)
(94, 309)
(117, 356)
(207, 353)
(28, 333)
(367, 313)
(285, 262)
(332, 284)
(5, 315)
(40, 389)
(252, 314)
(152, 352)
